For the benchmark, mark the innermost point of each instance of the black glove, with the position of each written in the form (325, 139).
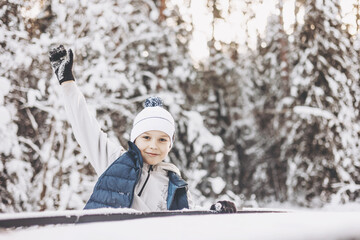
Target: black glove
(224, 207)
(62, 61)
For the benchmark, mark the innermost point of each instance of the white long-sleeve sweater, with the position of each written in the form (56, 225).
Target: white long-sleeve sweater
(101, 152)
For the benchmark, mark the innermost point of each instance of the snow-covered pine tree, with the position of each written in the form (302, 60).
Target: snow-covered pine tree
(217, 88)
(123, 54)
(225, 99)
(269, 179)
(37, 146)
(14, 173)
(321, 116)
(241, 134)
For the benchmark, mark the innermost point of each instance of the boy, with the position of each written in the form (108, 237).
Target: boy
(137, 178)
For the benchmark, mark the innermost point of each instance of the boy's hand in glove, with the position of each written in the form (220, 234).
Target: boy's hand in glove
(62, 62)
(224, 207)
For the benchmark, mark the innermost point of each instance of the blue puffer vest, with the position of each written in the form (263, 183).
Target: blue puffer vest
(115, 187)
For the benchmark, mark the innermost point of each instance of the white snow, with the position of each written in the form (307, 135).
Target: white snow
(294, 225)
(5, 88)
(5, 116)
(305, 110)
(65, 212)
(199, 135)
(217, 184)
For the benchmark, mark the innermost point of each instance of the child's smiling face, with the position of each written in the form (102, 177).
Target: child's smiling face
(154, 146)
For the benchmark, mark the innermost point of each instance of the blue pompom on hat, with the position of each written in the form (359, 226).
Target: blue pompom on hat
(153, 102)
(153, 117)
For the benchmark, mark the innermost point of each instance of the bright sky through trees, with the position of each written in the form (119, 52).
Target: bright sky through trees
(230, 28)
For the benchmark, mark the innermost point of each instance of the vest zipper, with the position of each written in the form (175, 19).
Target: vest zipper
(147, 178)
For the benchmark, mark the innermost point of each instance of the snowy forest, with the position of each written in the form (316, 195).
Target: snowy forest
(260, 120)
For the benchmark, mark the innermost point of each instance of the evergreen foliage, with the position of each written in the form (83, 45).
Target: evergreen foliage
(275, 123)
(322, 142)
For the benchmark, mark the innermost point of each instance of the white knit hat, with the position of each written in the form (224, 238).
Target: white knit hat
(153, 117)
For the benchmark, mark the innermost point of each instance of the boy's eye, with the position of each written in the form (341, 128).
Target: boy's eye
(163, 140)
(146, 137)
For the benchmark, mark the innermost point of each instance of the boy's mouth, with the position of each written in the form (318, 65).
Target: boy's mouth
(152, 154)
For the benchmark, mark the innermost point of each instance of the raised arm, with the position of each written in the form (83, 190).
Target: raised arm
(95, 144)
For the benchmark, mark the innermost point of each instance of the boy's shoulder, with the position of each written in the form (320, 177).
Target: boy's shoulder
(168, 167)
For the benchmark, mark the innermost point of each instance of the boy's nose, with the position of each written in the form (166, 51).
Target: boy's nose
(153, 144)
